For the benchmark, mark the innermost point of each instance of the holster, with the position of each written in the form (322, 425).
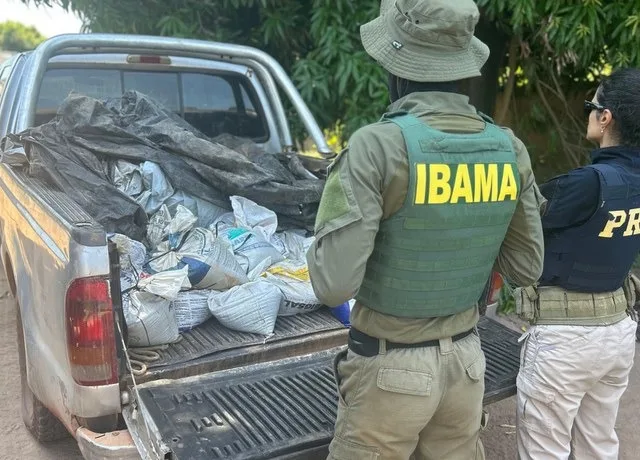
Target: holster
(527, 303)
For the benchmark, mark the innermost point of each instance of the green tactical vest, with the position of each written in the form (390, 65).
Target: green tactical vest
(434, 256)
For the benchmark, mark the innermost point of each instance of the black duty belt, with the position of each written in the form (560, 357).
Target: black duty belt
(367, 346)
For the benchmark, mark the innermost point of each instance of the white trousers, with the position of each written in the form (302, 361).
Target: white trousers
(569, 387)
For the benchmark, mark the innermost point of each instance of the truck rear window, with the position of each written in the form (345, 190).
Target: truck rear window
(213, 103)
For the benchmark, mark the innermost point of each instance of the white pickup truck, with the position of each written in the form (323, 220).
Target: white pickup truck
(217, 393)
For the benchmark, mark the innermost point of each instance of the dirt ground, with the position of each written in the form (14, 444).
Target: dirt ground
(499, 438)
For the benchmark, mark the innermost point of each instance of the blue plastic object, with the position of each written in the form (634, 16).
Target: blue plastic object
(343, 313)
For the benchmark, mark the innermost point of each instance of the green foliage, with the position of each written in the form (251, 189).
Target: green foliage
(337, 76)
(15, 36)
(560, 45)
(574, 34)
(506, 302)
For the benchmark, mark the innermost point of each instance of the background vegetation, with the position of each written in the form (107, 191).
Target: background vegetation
(546, 57)
(18, 37)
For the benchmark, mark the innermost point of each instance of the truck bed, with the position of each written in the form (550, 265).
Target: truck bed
(213, 347)
(211, 337)
(281, 409)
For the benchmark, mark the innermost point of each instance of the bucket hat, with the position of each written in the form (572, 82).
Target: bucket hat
(426, 40)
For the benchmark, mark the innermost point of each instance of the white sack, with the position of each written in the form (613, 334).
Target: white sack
(210, 261)
(165, 225)
(150, 320)
(149, 315)
(295, 244)
(157, 224)
(252, 307)
(206, 212)
(157, 188)
(292, 278)
(251, 249)
(254, 217)
(259, 270)
(127, 177)
(222, 223)
(128, 280)
(132, 253)
(164, 258)
(166, 284)
(191, 309)
(182, 221)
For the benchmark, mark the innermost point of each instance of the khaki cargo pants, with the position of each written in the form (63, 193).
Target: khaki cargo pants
(422, 403)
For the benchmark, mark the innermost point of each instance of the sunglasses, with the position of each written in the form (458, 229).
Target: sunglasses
(590, 106)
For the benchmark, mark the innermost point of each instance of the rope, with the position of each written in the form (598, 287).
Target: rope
(140, 358)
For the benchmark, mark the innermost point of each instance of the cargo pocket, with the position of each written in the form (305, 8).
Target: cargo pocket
(339, 358)
(471, 357)
(537, 412)
(528, 351)
(476, 369)
(341, 449)
(404, 381)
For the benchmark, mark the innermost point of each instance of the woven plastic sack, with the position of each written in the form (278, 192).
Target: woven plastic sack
(127, 177)
(261, 221)
(150, 320)
(132, 254)
(166, 284)
(211, 262)
(252, 307)
(128, 280)
(157, 188)
(149, 314)
(206, 212)
(165, 226)
(251, 216)
(251, 249)
(294, 244)
(191, 309)
(292, 278)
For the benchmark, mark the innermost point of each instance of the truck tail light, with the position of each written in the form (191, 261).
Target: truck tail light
(91, 332)
(494, 289)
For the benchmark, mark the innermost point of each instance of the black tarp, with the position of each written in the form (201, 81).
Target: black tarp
(73, 152)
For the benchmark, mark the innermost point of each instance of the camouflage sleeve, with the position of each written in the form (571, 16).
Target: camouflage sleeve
(346, 226)
(521, 254)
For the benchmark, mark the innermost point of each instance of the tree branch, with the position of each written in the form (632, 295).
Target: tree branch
(565, 145)
(501, 113)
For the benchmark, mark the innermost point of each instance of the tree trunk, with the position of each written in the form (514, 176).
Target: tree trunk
(483, 90)
(503, 107)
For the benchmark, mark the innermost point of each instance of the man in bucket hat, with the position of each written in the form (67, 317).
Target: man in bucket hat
(415, 215)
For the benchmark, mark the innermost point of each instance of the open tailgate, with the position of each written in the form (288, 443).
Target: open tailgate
(281, 409)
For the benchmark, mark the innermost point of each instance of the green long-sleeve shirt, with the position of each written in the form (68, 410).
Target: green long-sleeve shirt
(369, 183)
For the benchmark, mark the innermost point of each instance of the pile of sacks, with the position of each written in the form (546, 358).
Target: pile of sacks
(232, 265)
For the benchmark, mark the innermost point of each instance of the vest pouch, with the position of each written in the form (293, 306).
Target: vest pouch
(558, 306)
(631, 288)
(527, 303)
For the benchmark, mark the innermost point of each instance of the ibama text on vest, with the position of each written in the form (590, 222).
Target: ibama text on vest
(439, 183)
